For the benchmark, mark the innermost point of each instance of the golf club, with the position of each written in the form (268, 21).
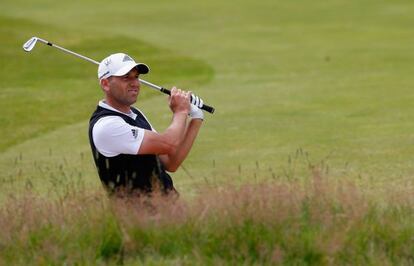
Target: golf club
(30, 44)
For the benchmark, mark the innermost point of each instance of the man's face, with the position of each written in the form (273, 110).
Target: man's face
(123, 90)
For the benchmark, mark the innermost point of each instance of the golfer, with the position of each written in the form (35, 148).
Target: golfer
(130, 156)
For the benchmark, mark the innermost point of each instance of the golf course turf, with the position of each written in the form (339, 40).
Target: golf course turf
(308, 159)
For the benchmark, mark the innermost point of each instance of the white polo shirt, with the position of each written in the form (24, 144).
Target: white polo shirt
(113, 136)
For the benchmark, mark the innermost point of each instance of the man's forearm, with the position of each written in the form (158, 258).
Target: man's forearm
(175, 132)
(167, 142)
(173, 161)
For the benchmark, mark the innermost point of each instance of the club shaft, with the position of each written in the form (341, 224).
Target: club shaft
(149, 84)
(68, 51)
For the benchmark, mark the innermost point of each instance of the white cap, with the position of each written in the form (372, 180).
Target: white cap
(118, 65)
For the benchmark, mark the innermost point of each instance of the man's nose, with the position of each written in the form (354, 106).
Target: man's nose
(135, 82)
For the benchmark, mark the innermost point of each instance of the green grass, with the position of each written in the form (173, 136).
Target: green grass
(319, 222)
(295, 84)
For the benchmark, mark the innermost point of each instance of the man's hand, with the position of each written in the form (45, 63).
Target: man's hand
(195, 111)
(179, 101)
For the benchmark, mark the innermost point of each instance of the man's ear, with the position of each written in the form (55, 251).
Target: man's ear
(104, 84)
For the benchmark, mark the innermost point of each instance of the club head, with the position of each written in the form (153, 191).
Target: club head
(30, 44)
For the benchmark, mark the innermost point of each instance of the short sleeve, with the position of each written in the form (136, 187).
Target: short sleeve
(113, 136)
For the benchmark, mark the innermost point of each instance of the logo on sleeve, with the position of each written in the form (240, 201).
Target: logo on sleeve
(134, 132)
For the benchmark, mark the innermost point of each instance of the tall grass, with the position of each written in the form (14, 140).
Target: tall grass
(317, 222)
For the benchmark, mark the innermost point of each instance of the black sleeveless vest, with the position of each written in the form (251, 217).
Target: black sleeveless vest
(125, 172)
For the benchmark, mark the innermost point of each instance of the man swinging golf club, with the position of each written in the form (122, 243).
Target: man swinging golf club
(131, 157)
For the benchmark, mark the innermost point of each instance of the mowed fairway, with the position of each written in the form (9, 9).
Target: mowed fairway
(295, 84)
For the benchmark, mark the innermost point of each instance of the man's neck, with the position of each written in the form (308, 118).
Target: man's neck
(121, 108)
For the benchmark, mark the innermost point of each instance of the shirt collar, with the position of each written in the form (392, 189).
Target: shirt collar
(103, 104)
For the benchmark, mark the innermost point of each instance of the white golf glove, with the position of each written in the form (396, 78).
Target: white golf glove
(195, 111)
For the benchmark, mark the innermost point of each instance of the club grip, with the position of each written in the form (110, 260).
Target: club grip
(208, 108)
(205, 107)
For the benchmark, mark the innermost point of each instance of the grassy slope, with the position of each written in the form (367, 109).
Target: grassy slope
(332, 79)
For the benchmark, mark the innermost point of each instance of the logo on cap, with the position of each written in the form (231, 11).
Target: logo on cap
(127, 58)
(107, 62)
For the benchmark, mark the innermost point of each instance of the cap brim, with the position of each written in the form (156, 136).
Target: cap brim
(142, 69)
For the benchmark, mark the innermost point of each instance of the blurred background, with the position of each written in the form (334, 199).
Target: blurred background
(294, 83)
